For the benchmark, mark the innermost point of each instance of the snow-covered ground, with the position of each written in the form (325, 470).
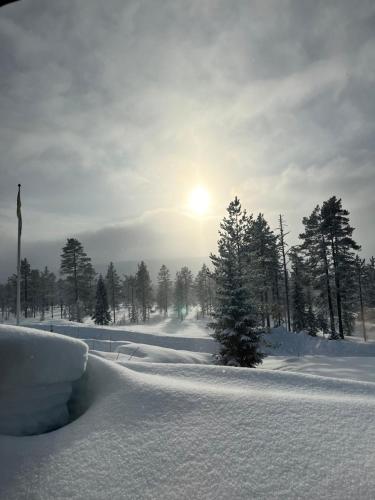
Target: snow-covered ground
(164, 422)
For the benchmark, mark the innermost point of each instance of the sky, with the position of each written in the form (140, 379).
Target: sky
(113, 111)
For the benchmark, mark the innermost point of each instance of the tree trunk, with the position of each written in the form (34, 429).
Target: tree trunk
(329, 294)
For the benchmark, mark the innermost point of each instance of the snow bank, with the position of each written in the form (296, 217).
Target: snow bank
(154, 354)
(162, 431)
(280, 342)
(37, 371)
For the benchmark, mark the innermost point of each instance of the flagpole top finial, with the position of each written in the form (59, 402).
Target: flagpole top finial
(19, 185)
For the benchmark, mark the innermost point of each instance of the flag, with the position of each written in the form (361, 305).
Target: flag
(19, 215)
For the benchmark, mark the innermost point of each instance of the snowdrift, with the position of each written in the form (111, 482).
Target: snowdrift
(280, 342)
(37, 372)
(162, 431)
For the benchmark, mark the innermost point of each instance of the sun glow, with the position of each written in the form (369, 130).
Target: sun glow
(199, 200)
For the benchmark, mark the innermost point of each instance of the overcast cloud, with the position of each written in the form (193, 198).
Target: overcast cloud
(112, 111)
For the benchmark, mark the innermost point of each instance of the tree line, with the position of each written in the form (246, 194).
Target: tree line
(257, 282)
(79, 291)
(320, 284)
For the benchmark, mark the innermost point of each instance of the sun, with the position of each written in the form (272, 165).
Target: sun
(199, 200)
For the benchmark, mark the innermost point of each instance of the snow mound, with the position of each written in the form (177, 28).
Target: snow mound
(155, 354)
(37, 372)
(163, 431)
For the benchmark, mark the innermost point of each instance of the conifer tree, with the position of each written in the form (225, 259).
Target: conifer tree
(338, 233)
(234, 325)
(113, 284)
(25, 282)
(80, 276)
(101, 316)
(299, 305)
(262, 262)
(179, 296)
(130, 298)
(204, 288)
(143, 290)
(164, 290)
(316, 248)
(361, 276)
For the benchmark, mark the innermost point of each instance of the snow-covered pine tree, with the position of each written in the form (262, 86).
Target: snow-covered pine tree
(101, 316)
(143, 290)
(164, 290)
(112, 281)
(234, 325)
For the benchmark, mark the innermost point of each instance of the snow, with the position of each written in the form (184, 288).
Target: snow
(37, 371)
(161, 424)
(154, 354)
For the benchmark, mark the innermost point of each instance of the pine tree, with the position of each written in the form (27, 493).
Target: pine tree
(262, 267)
(338, 232)
(285, 270)
(234, 326)
(113, 284)
(80, 275)
(316, 248)
(129, 287)
(163, 295)
(299, 305)
(187, 287)
(25, 281)
(361, 276)
(101, 316)
(143, 290)
(179, 296)
(369, 283)
(204, 289)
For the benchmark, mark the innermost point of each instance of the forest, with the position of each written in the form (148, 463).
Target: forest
(255, 280)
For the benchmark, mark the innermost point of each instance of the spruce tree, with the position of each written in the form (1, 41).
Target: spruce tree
(234, 325)
(101, 316)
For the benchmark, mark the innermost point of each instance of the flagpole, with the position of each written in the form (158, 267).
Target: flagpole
(18, 308)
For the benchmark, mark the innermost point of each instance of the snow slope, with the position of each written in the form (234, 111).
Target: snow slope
(162, 431)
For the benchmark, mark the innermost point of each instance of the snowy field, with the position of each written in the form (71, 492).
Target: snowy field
(161, 421)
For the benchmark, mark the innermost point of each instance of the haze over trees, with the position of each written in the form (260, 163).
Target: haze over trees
(256, 282)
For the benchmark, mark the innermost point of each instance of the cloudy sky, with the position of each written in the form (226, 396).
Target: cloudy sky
(112, 111)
